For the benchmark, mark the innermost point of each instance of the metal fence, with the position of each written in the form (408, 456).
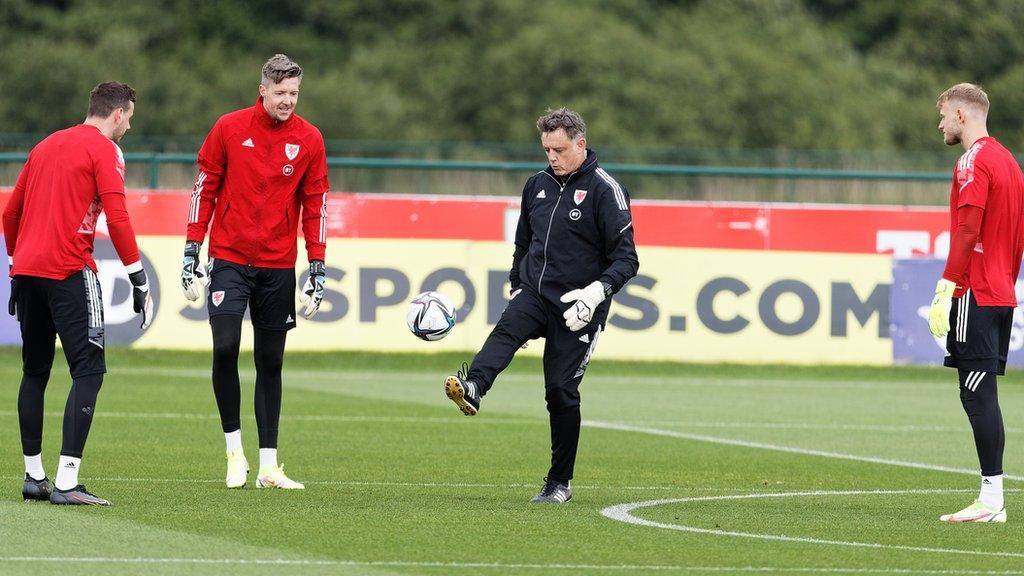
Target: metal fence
(175, 170)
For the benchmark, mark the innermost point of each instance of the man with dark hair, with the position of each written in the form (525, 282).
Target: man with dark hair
(975, 297)
(49, 227)
(573, 249)
(109, 96)
(257, 168)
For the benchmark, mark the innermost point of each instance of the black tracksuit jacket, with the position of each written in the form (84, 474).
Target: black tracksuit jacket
(572, 231)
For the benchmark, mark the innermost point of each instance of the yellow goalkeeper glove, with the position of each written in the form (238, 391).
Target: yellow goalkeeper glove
(938, 316)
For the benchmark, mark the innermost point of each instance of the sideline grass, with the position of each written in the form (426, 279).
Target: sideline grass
(399, 482)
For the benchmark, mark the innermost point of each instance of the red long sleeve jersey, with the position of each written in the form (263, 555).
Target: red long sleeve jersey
(987, 176)
(50, 218)
(255, 175)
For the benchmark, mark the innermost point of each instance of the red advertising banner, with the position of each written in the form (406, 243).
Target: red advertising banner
(901, 231)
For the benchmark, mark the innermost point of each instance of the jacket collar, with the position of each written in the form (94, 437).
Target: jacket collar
(265, 119)
(589, 165)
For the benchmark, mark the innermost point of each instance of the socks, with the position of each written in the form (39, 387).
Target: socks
(268, 456)
(992, 491)
(233, 440)
(34, 466)
(67, 472)
(268, 459)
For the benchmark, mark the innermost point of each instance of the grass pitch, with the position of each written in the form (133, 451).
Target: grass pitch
(754, 469)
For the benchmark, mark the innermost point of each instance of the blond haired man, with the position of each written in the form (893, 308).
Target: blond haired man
(975, 297)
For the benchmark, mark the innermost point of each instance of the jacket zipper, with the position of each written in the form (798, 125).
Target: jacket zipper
(547, 236)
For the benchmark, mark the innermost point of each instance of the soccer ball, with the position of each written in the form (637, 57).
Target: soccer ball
(431, 316)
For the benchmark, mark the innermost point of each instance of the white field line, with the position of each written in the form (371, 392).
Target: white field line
(385, 484)
(624, 427)
(623, 513)
(780, 448)
(809, 426)
(619, 426)
(498, 566)
(345, 376)
(388, 484)
(502, 420)
(302, 418)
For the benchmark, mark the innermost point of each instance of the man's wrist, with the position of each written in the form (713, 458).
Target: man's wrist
(192, 248)
(945, 287)
(138, 278)
(317, 268)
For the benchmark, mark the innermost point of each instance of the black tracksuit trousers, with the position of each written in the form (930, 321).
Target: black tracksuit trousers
(566, 354)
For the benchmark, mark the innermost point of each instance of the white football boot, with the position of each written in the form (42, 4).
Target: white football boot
(976, 512)
(275, 478)
(238, 469)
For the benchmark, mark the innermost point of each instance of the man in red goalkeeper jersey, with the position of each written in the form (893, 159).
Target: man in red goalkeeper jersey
(975, 298)
(49, 227)
(262, 175)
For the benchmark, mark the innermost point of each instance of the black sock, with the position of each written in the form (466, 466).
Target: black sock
(268, 353)
(78, 413)
(227, 337)
(565, 437)
(979, 396)
(30, 412)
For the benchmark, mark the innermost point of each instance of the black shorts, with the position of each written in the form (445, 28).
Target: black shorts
(268, 292)
(71, 308)
(979, 336)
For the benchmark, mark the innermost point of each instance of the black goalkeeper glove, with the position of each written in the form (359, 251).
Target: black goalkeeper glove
(142, 300)
(12, 304)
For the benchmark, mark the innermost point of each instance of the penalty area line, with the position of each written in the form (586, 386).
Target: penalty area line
(622, 427)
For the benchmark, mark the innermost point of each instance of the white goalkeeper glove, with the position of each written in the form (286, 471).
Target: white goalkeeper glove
(193, 272)
(938, 315)
(142, 299)
(584, 303)
(313, 290)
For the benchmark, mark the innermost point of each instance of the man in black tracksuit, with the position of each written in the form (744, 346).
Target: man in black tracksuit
(574, 249)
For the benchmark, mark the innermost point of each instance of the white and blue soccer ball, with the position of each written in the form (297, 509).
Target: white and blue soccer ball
(431, 316)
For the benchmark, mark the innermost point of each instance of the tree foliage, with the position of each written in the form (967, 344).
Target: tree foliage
(811, 74)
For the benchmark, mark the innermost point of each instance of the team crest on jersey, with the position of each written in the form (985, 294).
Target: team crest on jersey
(217, 297)
(288, 170)
(579, 196)
(291, 151)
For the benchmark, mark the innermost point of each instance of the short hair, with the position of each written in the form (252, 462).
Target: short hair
(971, 94)
(278, 68)
(109, 96)
(564, 118)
